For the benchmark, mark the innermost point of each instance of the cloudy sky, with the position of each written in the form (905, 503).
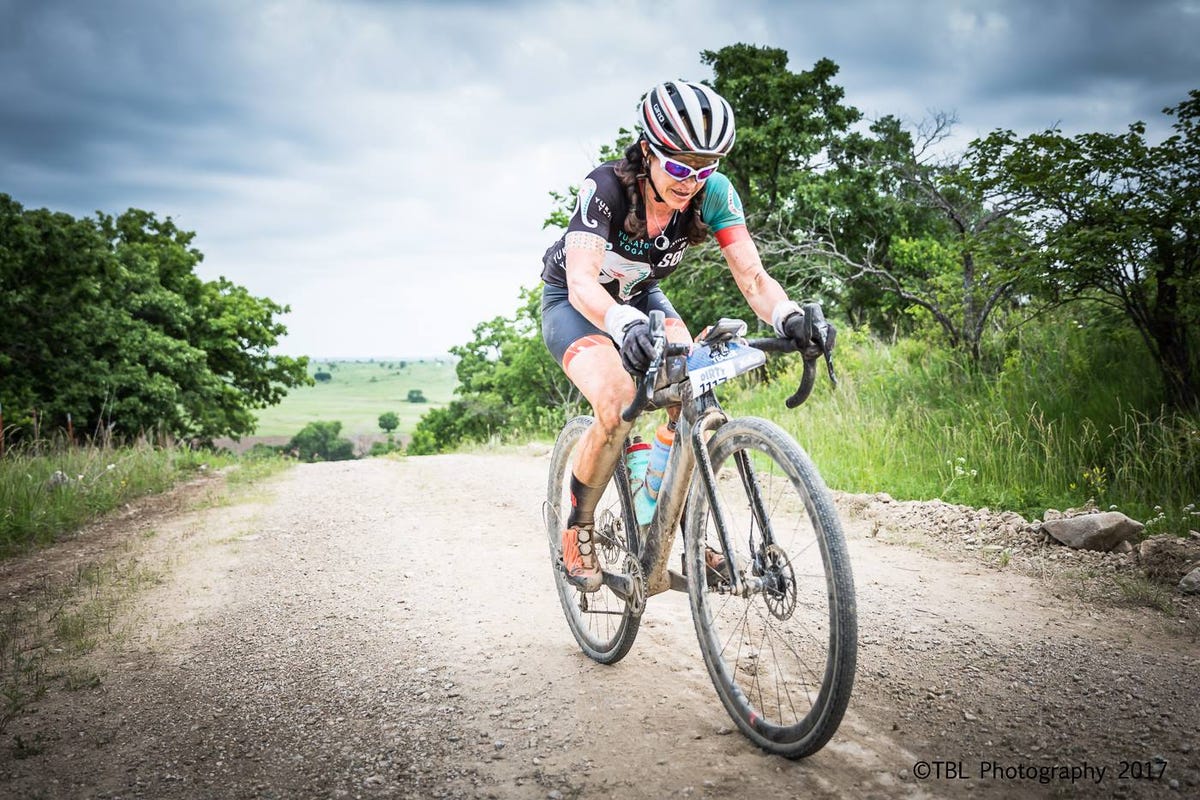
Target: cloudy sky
(384, 167)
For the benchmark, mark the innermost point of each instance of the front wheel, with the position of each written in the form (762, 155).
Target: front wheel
(782, 653)
(603, 623)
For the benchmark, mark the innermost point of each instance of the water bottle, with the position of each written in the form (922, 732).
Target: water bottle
(637, 459)
(647, 499)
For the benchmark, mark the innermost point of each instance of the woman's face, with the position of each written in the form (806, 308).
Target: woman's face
(677, 194)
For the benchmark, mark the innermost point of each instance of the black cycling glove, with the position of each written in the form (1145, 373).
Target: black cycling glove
(799, 327)
(637, 347)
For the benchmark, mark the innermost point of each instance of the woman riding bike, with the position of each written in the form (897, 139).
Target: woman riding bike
(634, 219)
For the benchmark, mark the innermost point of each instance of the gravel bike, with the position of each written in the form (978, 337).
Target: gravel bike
(776, 620)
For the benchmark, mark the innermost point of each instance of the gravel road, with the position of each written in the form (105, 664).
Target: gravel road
(389, 628)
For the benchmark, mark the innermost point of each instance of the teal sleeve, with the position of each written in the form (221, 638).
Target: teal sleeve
(722, 206)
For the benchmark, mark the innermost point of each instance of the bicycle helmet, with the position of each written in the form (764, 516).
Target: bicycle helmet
(685, 118)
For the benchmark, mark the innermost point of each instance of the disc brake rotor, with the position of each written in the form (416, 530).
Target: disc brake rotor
(779, 583)
(608, 536)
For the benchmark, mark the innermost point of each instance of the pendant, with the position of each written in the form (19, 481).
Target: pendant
(662, 242)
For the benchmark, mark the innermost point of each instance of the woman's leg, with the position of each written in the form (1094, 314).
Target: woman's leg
(594, 366)
(592, 363)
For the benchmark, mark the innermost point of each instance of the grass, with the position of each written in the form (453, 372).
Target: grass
(1138, 591)
(1049, 429)
(47, 491)
(359, 392)
(47, 632)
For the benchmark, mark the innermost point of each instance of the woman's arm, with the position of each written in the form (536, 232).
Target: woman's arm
(585, 255)
(764, 294)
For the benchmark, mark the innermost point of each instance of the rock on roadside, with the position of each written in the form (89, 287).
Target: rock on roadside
(1103, 532)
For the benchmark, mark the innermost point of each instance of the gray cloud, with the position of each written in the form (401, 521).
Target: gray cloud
(78, 77)
(1022, 64)
(376, 151)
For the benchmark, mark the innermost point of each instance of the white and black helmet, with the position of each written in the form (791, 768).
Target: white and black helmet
(687, 118)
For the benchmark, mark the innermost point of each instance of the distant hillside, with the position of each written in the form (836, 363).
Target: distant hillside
(357, 392)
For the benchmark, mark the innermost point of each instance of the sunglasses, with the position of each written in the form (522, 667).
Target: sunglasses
(681, 171)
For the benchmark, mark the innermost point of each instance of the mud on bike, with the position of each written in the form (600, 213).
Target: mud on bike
(776, 621)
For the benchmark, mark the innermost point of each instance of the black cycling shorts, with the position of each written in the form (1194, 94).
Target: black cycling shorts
(563, 325)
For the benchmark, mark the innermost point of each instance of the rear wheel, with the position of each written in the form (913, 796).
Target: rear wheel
(602, 622)
(782, 657)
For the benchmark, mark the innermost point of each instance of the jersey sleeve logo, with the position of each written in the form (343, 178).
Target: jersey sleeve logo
(586, 192)
(735, 203)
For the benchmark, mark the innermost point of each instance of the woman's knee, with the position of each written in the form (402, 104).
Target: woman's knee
(608, 408)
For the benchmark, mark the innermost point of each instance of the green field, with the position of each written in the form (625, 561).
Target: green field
(358, 392)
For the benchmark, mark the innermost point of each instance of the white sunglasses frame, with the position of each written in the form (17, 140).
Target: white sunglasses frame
(695, 172)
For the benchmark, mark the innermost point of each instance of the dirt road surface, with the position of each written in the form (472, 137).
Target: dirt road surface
(386, 628)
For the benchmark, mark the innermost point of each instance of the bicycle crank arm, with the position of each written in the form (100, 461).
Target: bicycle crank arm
(678, 581)
(628, 588)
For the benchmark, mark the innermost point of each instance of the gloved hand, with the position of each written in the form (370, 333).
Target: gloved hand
(800, 328)
(637, 347)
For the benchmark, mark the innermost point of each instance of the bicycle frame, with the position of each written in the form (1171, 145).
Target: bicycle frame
(700, 415)
(769, 509)
(688, 462)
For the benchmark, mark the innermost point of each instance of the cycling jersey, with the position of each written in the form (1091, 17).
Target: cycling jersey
(631, 266)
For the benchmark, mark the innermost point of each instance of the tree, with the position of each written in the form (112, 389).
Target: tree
(320, 441)
(106, 320)
(389, 421)
(322, 377)
(1117, 221)
(416, 396)
(957, 254)
(507, 382)
(786, 122)
(507, 360)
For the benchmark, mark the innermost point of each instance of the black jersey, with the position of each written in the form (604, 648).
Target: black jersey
(633, 265)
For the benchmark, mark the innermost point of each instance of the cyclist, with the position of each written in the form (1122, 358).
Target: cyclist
(633, 221)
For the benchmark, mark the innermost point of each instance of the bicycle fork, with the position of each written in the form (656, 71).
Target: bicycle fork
(740, 583)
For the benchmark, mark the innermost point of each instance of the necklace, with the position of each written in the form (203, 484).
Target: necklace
(662, 241)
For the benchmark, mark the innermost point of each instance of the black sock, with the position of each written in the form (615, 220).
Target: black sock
(583, 503)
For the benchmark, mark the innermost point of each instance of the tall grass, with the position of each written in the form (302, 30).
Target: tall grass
(46, 491)
(1067, 416)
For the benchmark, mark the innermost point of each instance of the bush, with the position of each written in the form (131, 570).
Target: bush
(319, 441)
(263, 450)
(323, 377)
(383, 448)
(416, 396)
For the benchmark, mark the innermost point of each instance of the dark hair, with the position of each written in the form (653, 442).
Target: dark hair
(630, 171)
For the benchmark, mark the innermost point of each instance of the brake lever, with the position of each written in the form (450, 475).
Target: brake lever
(821, 332)
(650, 379)
(644, 392)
